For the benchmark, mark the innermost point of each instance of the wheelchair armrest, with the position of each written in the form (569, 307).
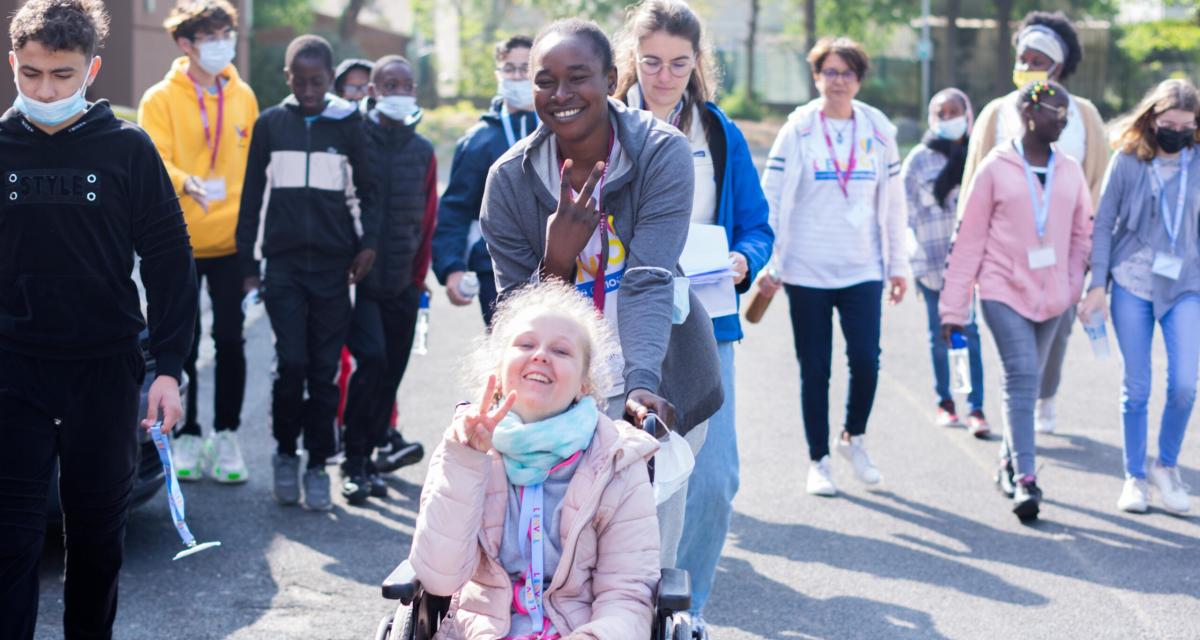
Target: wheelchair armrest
(674, 591)
(402, 584)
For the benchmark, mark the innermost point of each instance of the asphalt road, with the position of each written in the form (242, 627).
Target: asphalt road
(933, 553)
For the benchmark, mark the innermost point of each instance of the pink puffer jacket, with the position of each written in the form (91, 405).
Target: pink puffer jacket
(603, 587)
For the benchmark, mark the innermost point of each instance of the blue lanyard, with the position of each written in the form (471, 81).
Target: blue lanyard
(506, 120)
(531, 521)
(174, 495)
(1041, 210)
(1173, 224)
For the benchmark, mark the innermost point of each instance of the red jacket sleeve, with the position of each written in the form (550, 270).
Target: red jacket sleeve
(428, 223)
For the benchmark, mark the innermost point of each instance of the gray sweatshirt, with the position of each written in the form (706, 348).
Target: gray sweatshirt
(1130, 217)
(648, 191)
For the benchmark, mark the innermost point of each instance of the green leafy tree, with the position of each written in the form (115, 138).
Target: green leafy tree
(266, 57)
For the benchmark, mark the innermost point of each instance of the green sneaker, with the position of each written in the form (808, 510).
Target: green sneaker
(186, 452)
(225, 458)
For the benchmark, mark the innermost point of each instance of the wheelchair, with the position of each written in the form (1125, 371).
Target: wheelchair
(418, 615)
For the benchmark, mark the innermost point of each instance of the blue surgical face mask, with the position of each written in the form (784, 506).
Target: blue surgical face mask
(517, 93)
(217, 54)
(952, 129)
(396, 108)
(52, 114)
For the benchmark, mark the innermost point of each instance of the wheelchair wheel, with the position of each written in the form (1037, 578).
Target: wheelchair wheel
(403, 625)
(385, 628)
(681, 627)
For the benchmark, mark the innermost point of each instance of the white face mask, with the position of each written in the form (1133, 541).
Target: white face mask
(517, 93)
(215, 55)
(952, 129)
(52, 114)
(396, 108)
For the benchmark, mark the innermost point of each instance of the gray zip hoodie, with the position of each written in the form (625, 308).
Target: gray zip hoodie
(648, 191)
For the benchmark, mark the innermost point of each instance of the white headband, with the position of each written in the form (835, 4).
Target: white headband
(1044, 39)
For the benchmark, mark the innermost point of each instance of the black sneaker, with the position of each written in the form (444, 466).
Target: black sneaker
(397, 453)
(379, 488)
(355, 486)
(1004, 478)
(1027, 498)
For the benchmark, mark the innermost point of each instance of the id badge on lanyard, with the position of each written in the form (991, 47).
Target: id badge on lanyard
(1041, 256)
(214, 185)
(1170, 265)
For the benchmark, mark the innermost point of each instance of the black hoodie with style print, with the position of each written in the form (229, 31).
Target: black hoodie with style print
(295, 210)
(74, 208)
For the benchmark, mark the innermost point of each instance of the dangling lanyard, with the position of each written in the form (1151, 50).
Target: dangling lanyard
(531, 528)
(1173, 224)
(1041, 210)
(211, 139)
(598, 291)
(506, 120)
(843, 178)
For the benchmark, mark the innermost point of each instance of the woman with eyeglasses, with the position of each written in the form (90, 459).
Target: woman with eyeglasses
(1024, 240)
(838, 210)
(1145, 245)
(665, 66)
(1047, 49)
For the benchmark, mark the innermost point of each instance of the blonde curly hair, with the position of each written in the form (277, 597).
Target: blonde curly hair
(550, 297)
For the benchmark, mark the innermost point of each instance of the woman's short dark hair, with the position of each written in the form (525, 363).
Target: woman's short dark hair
(848, 50)
(311, 47)
(1060, 24)
(505, 47)
(577, 27)
(191, 17)
(61, 25)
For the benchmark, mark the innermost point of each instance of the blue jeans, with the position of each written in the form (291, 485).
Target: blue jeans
(1133, 322)
(938, 352)
(711, 488)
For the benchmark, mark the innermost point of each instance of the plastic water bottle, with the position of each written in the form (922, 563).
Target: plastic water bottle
(1097, 335)
(421, 340)
(468, 287)
(960, 365)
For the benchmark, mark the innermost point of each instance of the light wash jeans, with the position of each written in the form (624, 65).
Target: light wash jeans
(939, 351)
(670, 512)
(1133, 322)
(710, 492)
(1024, 347)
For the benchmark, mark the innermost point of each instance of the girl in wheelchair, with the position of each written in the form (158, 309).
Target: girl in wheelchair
(538, 516)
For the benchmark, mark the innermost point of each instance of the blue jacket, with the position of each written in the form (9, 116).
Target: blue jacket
(741, 206)
(459, 208)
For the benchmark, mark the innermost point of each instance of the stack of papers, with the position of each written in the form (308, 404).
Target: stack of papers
(705, 261)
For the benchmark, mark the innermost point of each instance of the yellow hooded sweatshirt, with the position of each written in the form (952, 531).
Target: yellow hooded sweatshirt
(170, 113)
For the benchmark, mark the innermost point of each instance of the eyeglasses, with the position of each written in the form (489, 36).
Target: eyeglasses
(227, 34)
(679, 67)
(514, 71)
(832, 75)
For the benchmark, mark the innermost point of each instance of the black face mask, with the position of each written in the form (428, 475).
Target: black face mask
(1173, 141)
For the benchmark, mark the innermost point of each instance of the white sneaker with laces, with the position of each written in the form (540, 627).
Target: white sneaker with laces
(856, 452)
(820, 480)
(226, 457)
(1170, 486)
(1134, 496)
(186, 452)
(1044, 416)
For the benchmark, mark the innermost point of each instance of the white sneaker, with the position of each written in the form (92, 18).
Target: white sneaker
(226, 458)
(856, 452)
(1044, 416)
(186, 452)
(1134, 496)
(1170, 486)
(820, 480)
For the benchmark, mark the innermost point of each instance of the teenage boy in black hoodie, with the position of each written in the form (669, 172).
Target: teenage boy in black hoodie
(82, 192)
(402, 164)
(310, 145)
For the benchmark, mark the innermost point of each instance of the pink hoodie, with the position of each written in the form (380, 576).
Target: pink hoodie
(997, 231)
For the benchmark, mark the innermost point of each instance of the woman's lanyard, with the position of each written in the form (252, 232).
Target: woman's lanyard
(1041, 210)
(843, 179)
(211, 140)
(1173, 223)
(601, 257)
(530, 524)
(506, 120)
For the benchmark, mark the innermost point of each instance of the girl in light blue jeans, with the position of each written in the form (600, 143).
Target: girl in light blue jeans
(1145, 240)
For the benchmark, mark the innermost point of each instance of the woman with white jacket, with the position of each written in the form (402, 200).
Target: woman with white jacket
(838, 211)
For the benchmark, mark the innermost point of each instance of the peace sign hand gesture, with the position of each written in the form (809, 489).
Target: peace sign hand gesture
(571, 225)
(474, 426)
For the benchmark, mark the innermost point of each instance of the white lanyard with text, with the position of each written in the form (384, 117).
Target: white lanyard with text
(531, 526)
(506, 120)
(1041, 210)
(1173, 223)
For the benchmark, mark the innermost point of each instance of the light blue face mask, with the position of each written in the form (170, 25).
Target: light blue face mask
(397, 108)
(52, 114)
(216, 55)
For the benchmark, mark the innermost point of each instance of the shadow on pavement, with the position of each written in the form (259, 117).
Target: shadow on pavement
(779, 611)
(1085, 454)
